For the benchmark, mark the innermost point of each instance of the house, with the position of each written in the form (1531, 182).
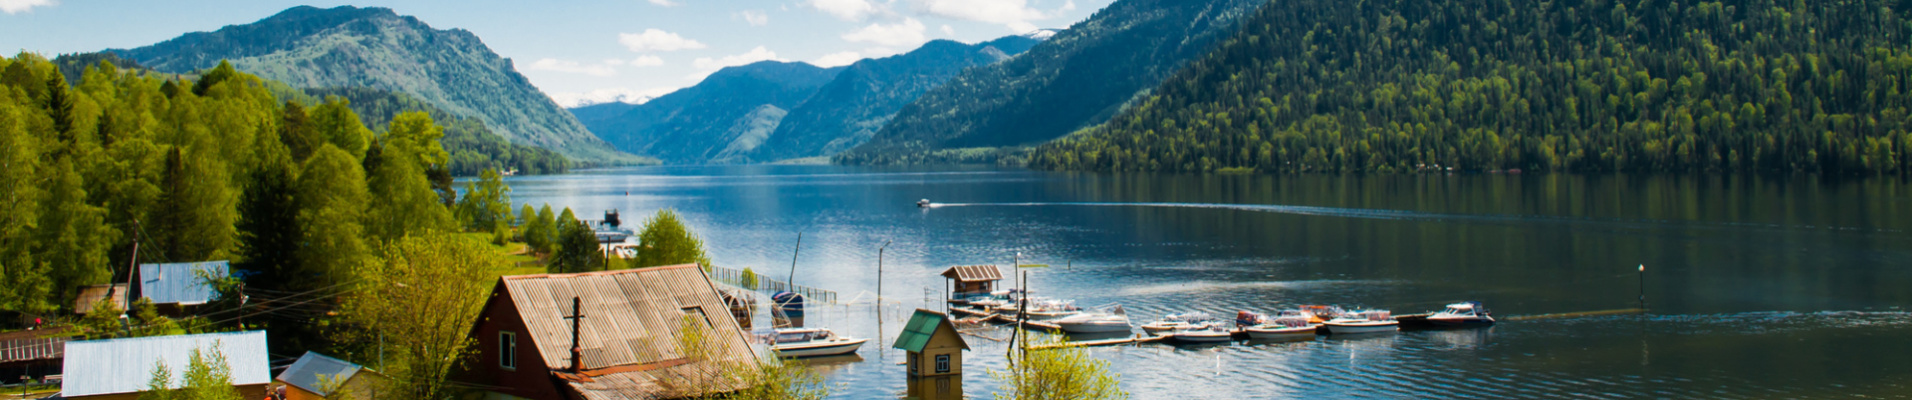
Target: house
(972, 280)
(632, 337)
(315, 377)
(176, 286)
(122, 368)
(933, 346)
(91, 296)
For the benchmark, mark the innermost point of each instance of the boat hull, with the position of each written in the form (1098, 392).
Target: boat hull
(1093, 327)
(819, 349)
(1282, 334)
(1361, 328)
(1047, 315)
(1460, 322)
(1204, 337)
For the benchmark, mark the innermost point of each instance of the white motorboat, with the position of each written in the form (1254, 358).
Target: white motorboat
(1173, 322)
(1371, 321)
(1046, 309)
(1210, 334)
(1283, 328)
(813, 342)
(1470, 313)
(1113, 320)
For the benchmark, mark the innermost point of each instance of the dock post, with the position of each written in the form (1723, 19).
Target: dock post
(1642, 288)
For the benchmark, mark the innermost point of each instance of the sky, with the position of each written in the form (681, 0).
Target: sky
(584, 50)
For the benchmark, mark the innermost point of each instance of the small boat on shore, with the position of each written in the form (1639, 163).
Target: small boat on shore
(1209, 334)
(1371, 321)
(1470, 313)
(1283, 328)
(1112, 320)
(813, 342)
(1173, 322)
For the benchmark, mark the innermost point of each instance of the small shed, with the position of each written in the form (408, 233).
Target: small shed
(972, 280)
(317, 377)
(122, 368)
(176, 285)
(933, 345)
(91, 296)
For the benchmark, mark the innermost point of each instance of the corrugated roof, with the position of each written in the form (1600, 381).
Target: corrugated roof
(631, 318)
(921, 327)
(93, 294)
(179, 283)
(96, 367)
(973, 273)
(306, 372)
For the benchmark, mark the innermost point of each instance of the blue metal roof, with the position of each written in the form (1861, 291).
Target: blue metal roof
(96, 367)
(307, 372)
(179, 282)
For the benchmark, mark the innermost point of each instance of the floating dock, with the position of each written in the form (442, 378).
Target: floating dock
(1137, 339)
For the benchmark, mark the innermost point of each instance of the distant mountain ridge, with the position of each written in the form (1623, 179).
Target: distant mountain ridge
(1078, 78)
(373, 47)
(772, 111)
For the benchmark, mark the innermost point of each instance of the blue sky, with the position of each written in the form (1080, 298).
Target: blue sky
(577, 50)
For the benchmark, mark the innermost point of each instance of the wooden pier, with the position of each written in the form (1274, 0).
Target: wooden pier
(1137, 339)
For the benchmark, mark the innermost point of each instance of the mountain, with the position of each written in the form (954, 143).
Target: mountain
(1077, 78)
(472, 145)
(1405, 85)
(849, 109)
(698, 123)
(310, 47)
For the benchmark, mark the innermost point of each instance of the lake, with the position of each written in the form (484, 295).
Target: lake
(1759, 287)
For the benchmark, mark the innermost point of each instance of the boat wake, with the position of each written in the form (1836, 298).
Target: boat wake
(1209, 287)
(1417, 216)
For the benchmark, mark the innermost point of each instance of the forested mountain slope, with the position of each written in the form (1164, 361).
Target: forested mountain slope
(309, 47)
(472, 146)
(735, 105)
(1077, 78)
(848, 110)
(1572, 85)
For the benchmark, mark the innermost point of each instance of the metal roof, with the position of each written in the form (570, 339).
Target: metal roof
(922, 326)
(35, 345)
(91, 295)
(632, 325)
(96, 367)
(179, 283)
(973, 273)
(311, 367)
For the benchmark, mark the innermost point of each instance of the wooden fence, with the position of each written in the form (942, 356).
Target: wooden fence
(735, 277)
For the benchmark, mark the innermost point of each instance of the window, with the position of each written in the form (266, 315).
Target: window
(942, 363)
(913, 365)
(508, 351)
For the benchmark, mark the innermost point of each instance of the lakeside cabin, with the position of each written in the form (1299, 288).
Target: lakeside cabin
(932, 345)
(630, 330)
(91, 296)
(120, 369)
(317, 377)
(177, 287)
(972, 280)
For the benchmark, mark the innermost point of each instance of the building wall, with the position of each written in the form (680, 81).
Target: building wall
(946, 341)
(257, 391)
(532, 379)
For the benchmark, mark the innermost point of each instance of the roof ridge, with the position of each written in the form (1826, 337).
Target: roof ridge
(598, 273)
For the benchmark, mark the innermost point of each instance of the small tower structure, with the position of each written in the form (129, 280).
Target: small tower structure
(933, 346)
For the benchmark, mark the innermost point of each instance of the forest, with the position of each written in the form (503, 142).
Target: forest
(1571, 85)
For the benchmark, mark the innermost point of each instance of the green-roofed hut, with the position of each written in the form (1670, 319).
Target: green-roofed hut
(934, 346)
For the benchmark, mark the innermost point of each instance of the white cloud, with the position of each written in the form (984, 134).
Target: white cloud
(657, 40)
(647, 61)
(600, 96)
(848, 10)
(837, 59)
(1014, 14)
(755, 18)
(948, 31)
(907, 33)
(20, 6)
(574, 67)
(666, 3)
(754, 55)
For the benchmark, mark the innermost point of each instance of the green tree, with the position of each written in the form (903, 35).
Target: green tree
(24, 284)
(331, 203)
(207, 377)
(665, 240)
(269, 234)
(72, 238)
(1059, 372)
(487, 203)
(577, 247)
(444, 273)
(767, 378)
(541, 235)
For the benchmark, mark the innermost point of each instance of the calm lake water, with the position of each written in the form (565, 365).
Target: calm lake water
(1788, 287)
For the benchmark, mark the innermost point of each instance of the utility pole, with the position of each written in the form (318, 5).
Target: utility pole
(131, 268)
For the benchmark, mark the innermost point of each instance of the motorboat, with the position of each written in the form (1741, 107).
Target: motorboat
(924, 203)
(1173, 322)
(1113, 320)
(1283, 328)
(1470, 313)
(1319, 314)
(1047, 309)
(1370, 321)
(1208, 334)
(813, 342)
